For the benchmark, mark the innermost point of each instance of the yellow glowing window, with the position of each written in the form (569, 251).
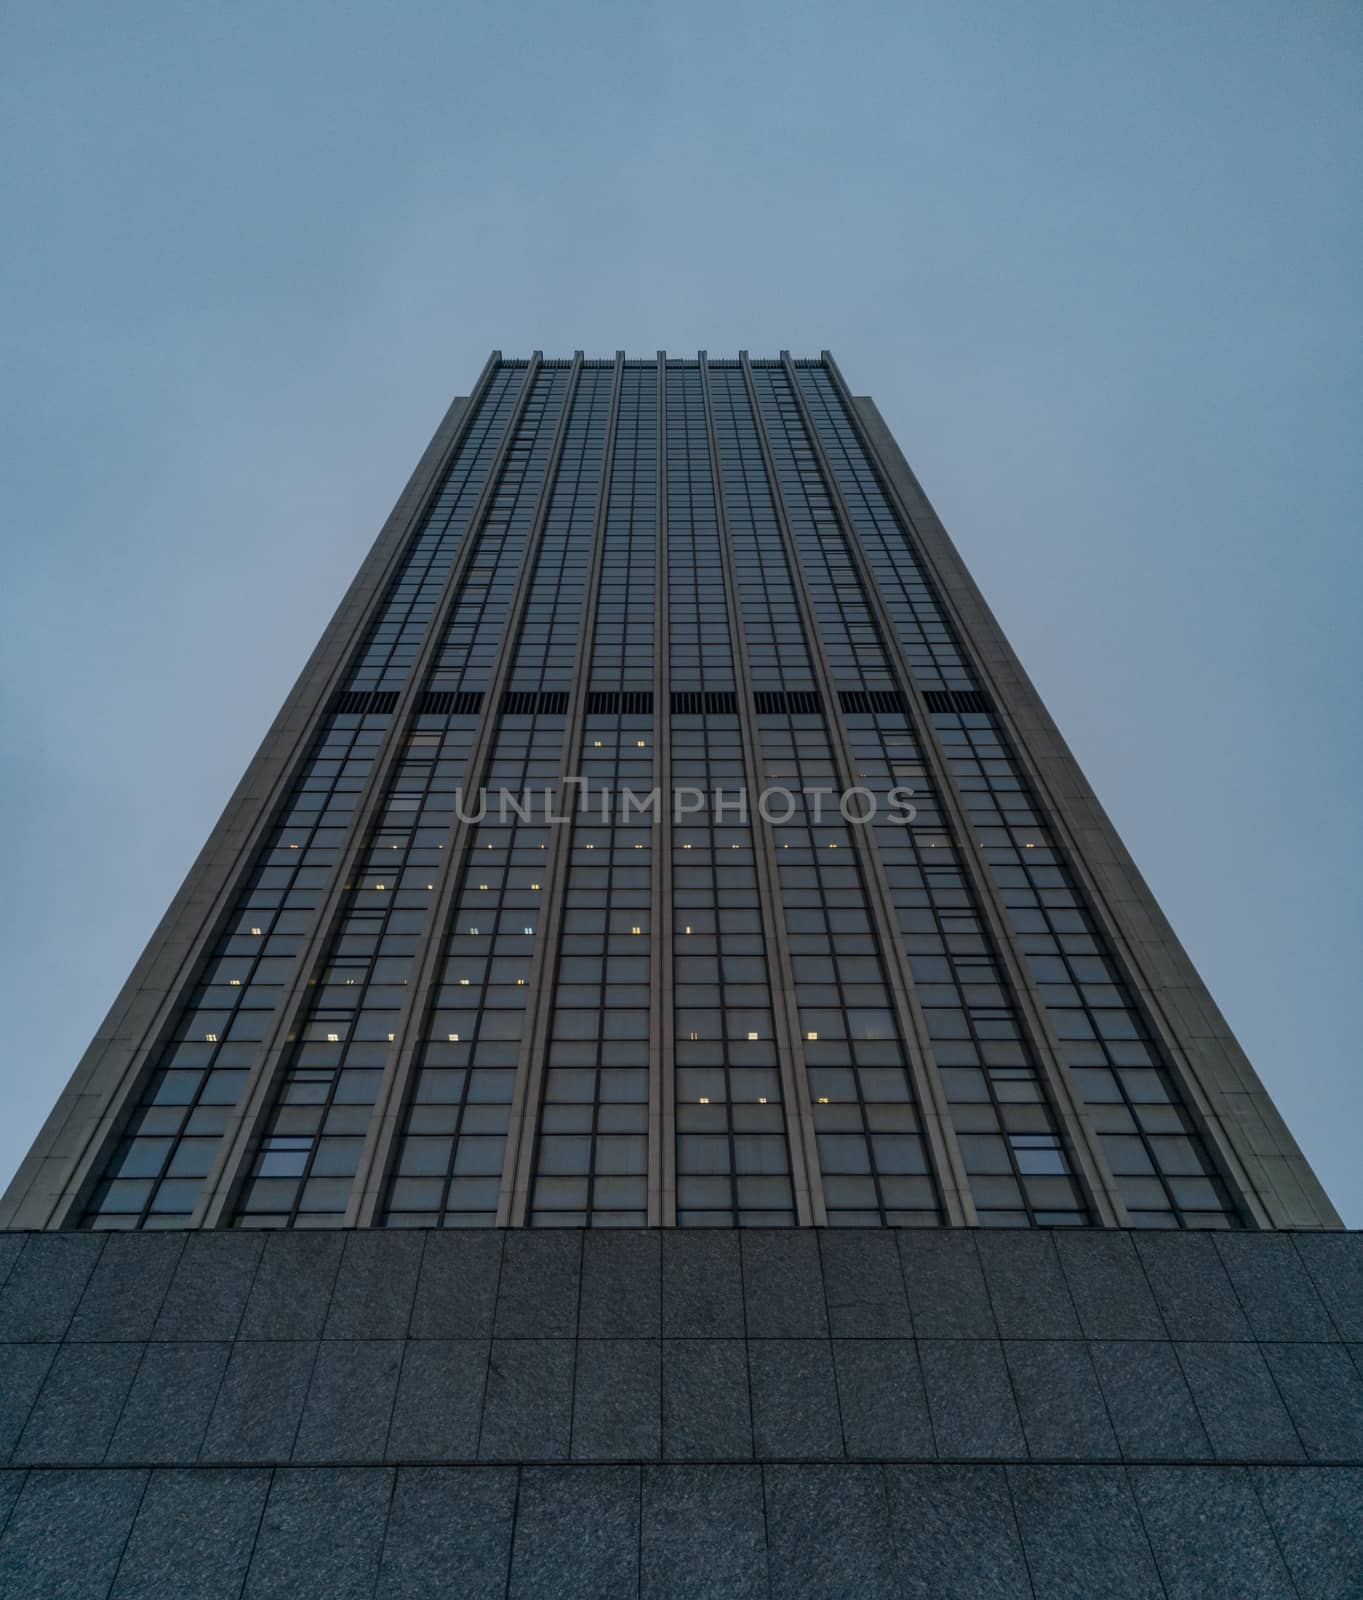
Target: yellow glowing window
(256, 931)
(534, 886)
(454, 1038)
(464, 982)
(752, 1035)
(211, 1037)
(333, 1038)
(823, 1099)
(693, 1036)
(390, 1038)
(704, 1100)
(811, 1036)
(641, 744)
(380, 885)
(761, 1099)
(635, 930)
(293, 847)
(235, 982)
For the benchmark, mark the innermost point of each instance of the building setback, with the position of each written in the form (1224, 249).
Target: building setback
(664, 1080)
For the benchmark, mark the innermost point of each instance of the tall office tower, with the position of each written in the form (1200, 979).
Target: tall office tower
(665, 1080)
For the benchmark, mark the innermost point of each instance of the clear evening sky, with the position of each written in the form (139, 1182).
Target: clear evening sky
(1098, 263)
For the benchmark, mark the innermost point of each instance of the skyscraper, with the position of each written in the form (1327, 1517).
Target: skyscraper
(664, 838)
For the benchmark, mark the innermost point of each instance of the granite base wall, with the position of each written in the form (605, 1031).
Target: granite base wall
(680, 1413)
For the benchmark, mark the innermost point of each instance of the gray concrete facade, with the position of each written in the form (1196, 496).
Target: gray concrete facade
(786, 1413)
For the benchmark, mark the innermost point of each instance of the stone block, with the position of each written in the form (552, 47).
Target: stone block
(291, 1294)
(375, 1285)
(193, 1534)
(1209, 1535)
(1190, 1286)
(706, 1414)
(828, 1531)
(79, 1404)
(439, 1401)
(11, 1244)
(210, 1286)
(702, 1284)
(1273, 1286)
(1238, 1403)
(168, 1407)
(1323, 1393)
(1316, 1514)
(528, 1404)
(1027, 1289)
(23, 1367)
(350, 1401)
(970, 1399)
(449, 1534)
(704, 1534)
(864, 1284)
(954, 1534)
(577, 1534)
(258, 1407)
(945, 1285)
(45, 1285)
(621, 1284)
(1082, 1533)
(125, 1291)
(617, 1400)
(66, 1534)
(1148, 1401)
(541, 1278)
(782, 1284)
(1108, 1285)
(456, 1292)
(1335, 1262)
(320, 1534)
(1058, 1398)
(794, 1399)
(880, 1397)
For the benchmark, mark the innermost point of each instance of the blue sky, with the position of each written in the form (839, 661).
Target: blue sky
(1098, 264)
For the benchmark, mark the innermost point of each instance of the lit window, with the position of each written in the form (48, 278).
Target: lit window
(256, 931)
(333, 1038)
(752, 1035)
(811, 1036)
(235, 983)
(823, 1099)
(704, 1100)
(464, 982)
(211, 1037)
(380, 886)
(635, 930)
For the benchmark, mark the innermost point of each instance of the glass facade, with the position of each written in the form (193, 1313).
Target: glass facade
(660, 857)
